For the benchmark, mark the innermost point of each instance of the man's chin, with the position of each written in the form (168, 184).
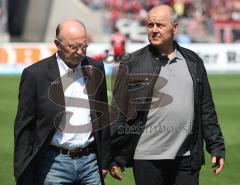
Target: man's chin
(155, 43)
(77, 61)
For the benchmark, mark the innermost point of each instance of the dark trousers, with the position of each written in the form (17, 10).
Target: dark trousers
(165, 172)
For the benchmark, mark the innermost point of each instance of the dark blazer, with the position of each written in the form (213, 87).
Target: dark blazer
(41, 105)
(132, 97)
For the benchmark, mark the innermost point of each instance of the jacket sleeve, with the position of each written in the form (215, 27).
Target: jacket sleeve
(120, 140)
(24, 123)
(103, 133)
(211, 129)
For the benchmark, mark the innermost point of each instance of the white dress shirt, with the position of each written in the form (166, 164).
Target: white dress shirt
(73, 85)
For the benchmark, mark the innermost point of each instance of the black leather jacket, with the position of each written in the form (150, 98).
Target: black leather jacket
(132, 97)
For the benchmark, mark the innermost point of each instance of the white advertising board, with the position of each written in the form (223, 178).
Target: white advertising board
(14, 57)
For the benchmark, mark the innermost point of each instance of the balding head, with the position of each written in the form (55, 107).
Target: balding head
(71, 26)
(161, 28)
(71, 41)
(68, 23)
(165, 10)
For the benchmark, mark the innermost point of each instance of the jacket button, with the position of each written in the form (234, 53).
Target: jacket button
(50, 129)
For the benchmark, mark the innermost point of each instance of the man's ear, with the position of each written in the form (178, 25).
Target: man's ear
(175, 27)
(57, 44)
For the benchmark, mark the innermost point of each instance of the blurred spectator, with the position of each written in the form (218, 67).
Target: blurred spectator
(100, 57)
(118, 43)
(201, 15)
(179, 7)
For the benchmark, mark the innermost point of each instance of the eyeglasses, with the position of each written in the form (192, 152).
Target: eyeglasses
(83, 46)
(75, 47)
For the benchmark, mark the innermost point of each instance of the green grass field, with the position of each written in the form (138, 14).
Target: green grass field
(226, 93)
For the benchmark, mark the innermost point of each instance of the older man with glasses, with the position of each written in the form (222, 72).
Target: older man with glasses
(61, 132)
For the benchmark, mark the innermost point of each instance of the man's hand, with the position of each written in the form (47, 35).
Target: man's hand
(116, 172)
(217, 164)
(104, 172)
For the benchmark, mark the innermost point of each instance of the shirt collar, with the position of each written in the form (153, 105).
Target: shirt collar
(63, 67)
(164, 59)
(177, 54)
(158, 55)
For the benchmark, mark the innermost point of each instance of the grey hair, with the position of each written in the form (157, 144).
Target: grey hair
(173, 16)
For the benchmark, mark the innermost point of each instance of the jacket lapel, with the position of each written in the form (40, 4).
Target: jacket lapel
(93, 83)
(55, 91)
(93, 78)
(53, 71)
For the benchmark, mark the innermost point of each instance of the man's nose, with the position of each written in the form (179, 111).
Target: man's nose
(79, 51)
(155, 28)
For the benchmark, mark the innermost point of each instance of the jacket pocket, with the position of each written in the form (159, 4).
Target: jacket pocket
(137, 82)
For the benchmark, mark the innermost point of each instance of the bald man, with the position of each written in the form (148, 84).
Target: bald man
(61, 133)
(163, 110)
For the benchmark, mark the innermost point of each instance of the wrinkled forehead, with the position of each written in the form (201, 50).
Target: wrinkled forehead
(157, 17)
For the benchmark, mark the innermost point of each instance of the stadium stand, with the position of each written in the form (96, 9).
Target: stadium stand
(201, 21)
(199, 18)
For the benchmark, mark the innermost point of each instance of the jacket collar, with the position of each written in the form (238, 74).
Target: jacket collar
(55, 91)
(53, 71)
(156, 54)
